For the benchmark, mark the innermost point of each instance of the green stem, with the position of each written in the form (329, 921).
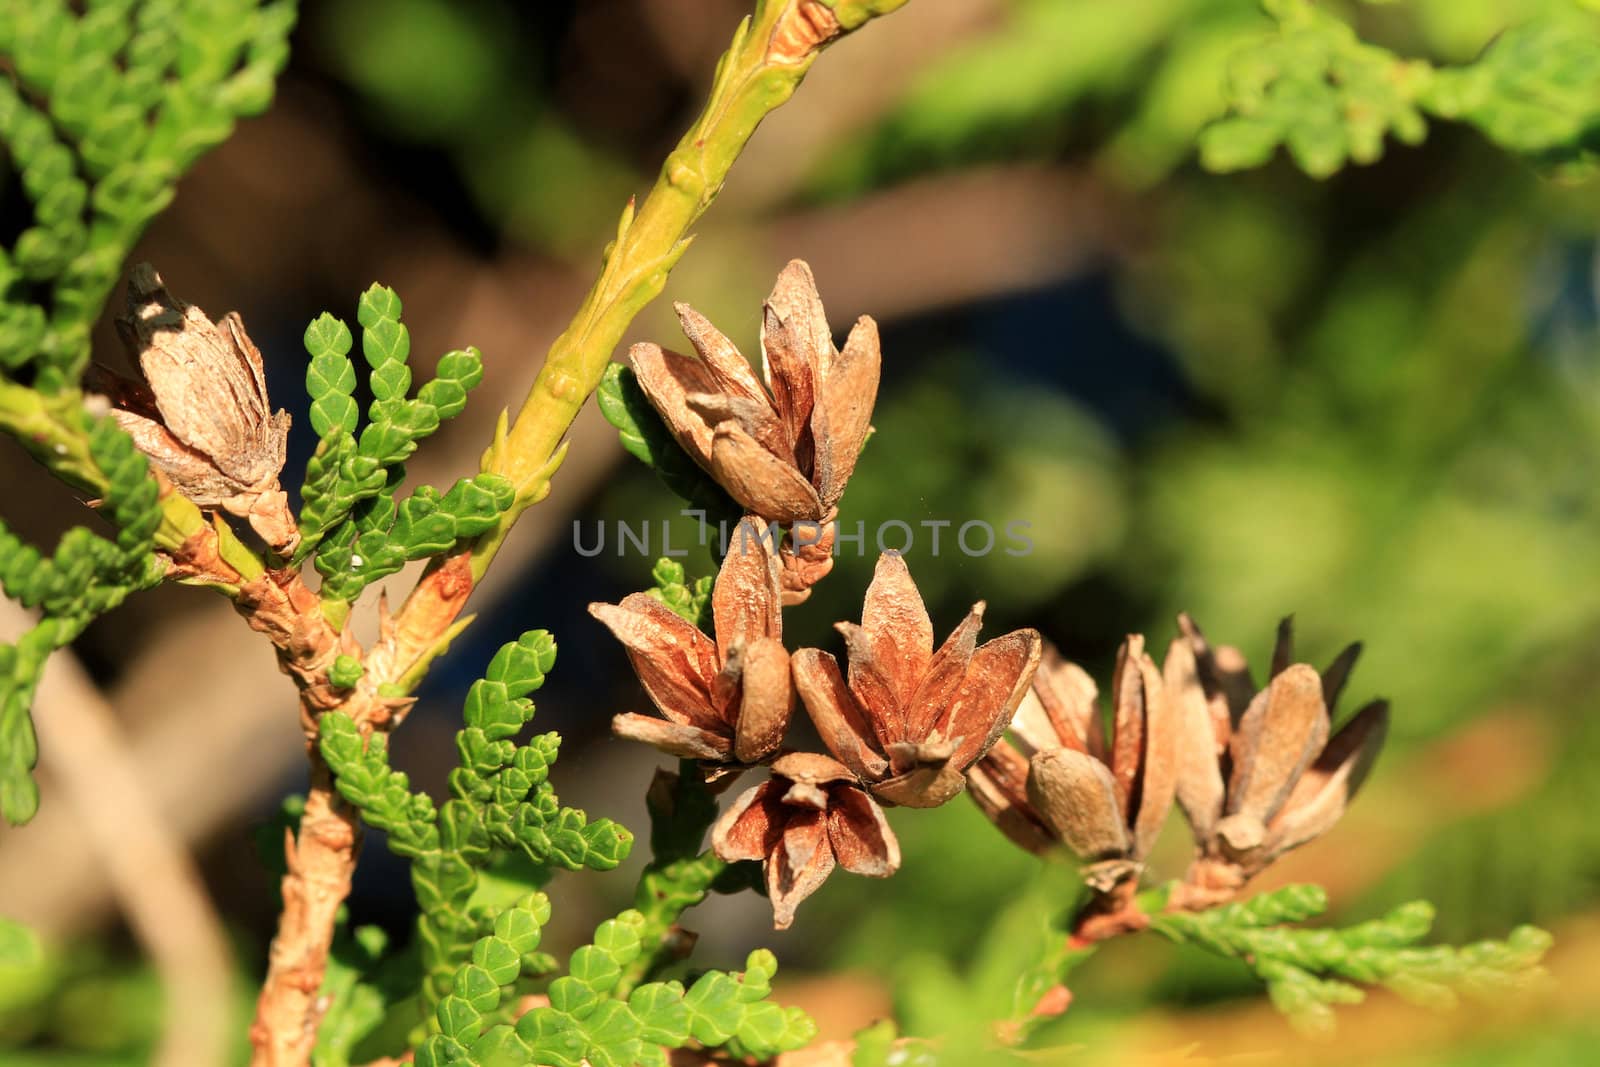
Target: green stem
(760, 70)
(1034, 999)
(679, 876)
(1040, 993)
(665, 892)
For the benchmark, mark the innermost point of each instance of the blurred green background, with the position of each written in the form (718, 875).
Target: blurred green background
(1372, 402)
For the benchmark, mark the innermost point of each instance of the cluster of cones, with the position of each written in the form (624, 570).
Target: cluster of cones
(1256, 771)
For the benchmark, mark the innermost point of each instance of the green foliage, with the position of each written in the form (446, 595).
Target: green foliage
(73, 1003)
(349, 513)
(1308, 971)
(1150, 77)
(1535, 90)
(102, 114)
(1316, 88)
(1330, 98)
(1380, 381)
(1024, 952)
(597, 1013)
(587, 1021)
(1415, 368)
(1007, 92)
(26, 970)
(647, 439)
(732, 1012)
(679, 876)
(496, 960)
(382, 536)
(691, 600)
(85, 577)
(356, 1002)
(501, 800)
(19, 946)
(880, 1045)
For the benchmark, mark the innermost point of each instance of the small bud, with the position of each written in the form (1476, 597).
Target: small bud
(345, 672)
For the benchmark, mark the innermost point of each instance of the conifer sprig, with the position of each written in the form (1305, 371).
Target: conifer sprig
(349, 513)
(501, 801)
(1309, 971)
(1315, 88)
(86, 576)
(107, 111)
(587, 1020)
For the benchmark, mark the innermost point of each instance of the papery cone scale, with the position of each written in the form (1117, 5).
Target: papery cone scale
(1059, 779)
(725, 700)
(1273, 778)
(808, 818)
(908, 720)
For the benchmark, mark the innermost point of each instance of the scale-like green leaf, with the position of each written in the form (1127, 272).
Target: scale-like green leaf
(1308, 971)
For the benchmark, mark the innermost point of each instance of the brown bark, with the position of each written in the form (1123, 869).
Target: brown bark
(321, 860)
(322, 856)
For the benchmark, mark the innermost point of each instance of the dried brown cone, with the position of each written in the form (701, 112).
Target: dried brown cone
(782, 445)
(1058, 780)
(911, 720)
(1261, 774)
(805, 820)
(199, 408)
(726, 701)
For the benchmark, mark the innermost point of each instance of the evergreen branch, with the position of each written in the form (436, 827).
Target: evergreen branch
(770, 55)
(85, 577)
(590, 1015)
(108, 110)
(1308, 971)
(349, 491)
(1331, 98)
(496, 960)
(771, 52)
(588, 1020)
(501, 800)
